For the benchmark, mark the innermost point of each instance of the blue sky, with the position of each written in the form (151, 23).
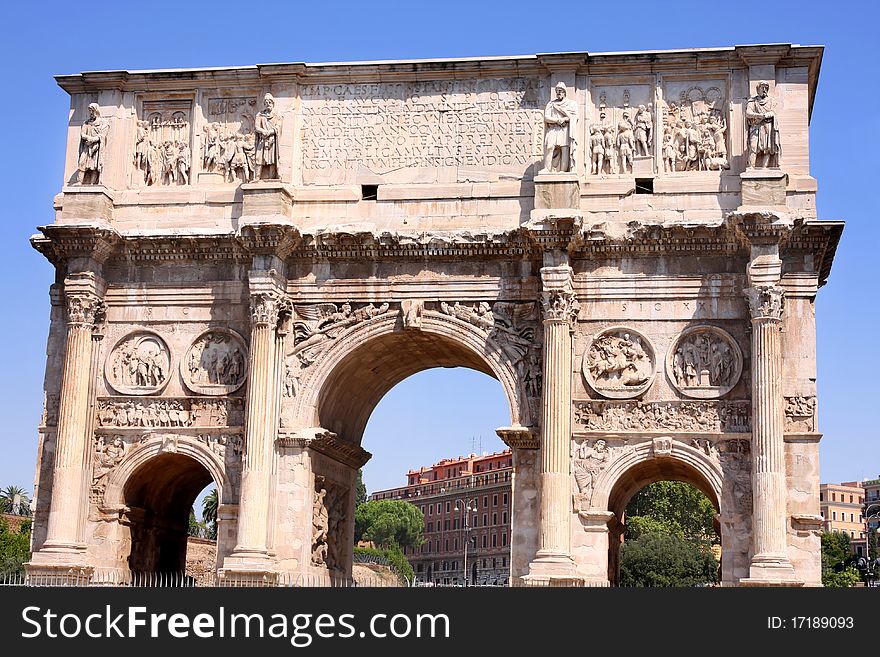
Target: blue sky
(41, 39)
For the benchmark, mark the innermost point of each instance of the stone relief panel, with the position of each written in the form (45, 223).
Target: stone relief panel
(315, 326)
(800, 414)
(150, 412)
(589, 459)
(704, 416)
(622, 134)
(704, 362)
(424, 131)
(619, 363)
(736, 464)
(139, 364)
(162, 152)
(328, 523)
(216, 363)
(228, 148)
(695, 126)
(109, 452)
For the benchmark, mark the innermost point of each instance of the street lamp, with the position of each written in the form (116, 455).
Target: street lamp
(466, 506)
(868, 518)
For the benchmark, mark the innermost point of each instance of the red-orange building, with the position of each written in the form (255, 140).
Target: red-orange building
(465, 501)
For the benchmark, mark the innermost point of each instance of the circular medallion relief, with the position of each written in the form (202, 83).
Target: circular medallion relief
(216, 363)
(619, 363)
(139, 364)
(704, 362)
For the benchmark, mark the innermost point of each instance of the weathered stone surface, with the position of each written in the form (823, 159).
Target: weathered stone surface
(251, 258)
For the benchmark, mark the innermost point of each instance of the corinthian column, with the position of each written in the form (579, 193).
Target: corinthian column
(770, 563)
(251, 550)
(73, 438)
(553, 563)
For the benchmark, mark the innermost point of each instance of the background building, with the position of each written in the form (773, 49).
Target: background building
(464, 500)
(842, 506)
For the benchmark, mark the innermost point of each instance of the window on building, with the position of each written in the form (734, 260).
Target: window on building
(504, 499)
(420, 567)
(850, 499)
(494, 540)
(504, 518)
(447, 507)
(484, 563)
(833, 497)
(475, 523)
(503, 540)
(484, 540)
(494, 500)
(455, 523)
(485, 501)
(430, 510)
(485, 519)
(455, 544)
(494, 518)
(446, 545)
(439, 508)
(445, 525)
(430, 527)
(834, 515)
(851, 517)
(494, 563)
(504, 562)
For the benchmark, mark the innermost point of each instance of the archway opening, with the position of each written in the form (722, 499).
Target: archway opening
(669, 534)
(159, 497)
(436, 464)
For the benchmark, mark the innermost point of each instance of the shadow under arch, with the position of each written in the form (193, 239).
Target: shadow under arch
(347, 382)
(157, 486)
(643, 466)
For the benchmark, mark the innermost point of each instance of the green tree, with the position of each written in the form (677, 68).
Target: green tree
(196, 529)
(657, 559)
(15, 500)
(360, 490)
(209, 513)
(14, 547)
(674, 507)
(837, 558)
(389, 523)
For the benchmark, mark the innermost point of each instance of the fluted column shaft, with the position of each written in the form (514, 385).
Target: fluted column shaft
(768, 451)
(261, 423)
(72, 439)
(560, 311)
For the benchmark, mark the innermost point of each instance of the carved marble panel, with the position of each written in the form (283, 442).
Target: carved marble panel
(315, 326)
(162, 148)
(621, 134)
(800, 414)
(409, 131)
(619, 363)
(151, 412)
(704, 362)
(228, 141)
(139, 364)
(216, 363)
(637, 416)
(695, 125)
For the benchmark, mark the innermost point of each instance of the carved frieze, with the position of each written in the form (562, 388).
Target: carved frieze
(702, 417)
(619, 363)
(316, 325)
(139, 364)
(800, 414)
(216, 363)
(704, 362)
(695, 126)
(162, 151)
(330, 503)
(150, 412)
(223, 443)
(622, 139)
(228, 139)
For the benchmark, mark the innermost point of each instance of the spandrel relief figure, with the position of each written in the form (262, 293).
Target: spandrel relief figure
(268, 133)
(764, 141)
(315, 325)
(589, 462)
(560, 132)
(92, 147)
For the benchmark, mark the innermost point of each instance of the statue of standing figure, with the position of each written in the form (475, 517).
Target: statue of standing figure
(92, 144)
(560, 132)
(267, 127)
(763, 128)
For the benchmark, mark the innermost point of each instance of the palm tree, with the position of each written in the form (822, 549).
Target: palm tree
(15, 500)
(209, 512)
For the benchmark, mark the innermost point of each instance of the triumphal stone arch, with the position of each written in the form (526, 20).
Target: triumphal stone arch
(249, 258)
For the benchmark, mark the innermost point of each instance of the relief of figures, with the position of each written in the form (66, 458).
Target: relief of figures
(694, 131)
(169, 413)
(704, 417)
(162, 154)
(92, 147)
(315, 325)
(328, 519)
(588, 463)
(140, 363)
(623, 133)
(704, 362)
(216, 363)
(478, 314)
(800, 414)
(109, 452)
(619, 363)
(764, 141)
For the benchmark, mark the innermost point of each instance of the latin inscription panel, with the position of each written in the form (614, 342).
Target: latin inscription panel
(431, 131)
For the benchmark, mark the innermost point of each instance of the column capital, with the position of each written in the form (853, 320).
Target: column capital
(269, 309)
(83, 292)
(557, 296)
(765, 302)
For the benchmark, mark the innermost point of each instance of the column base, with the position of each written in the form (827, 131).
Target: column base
(248, 568)
(43, 571)
(552, 569)
(770, 570)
